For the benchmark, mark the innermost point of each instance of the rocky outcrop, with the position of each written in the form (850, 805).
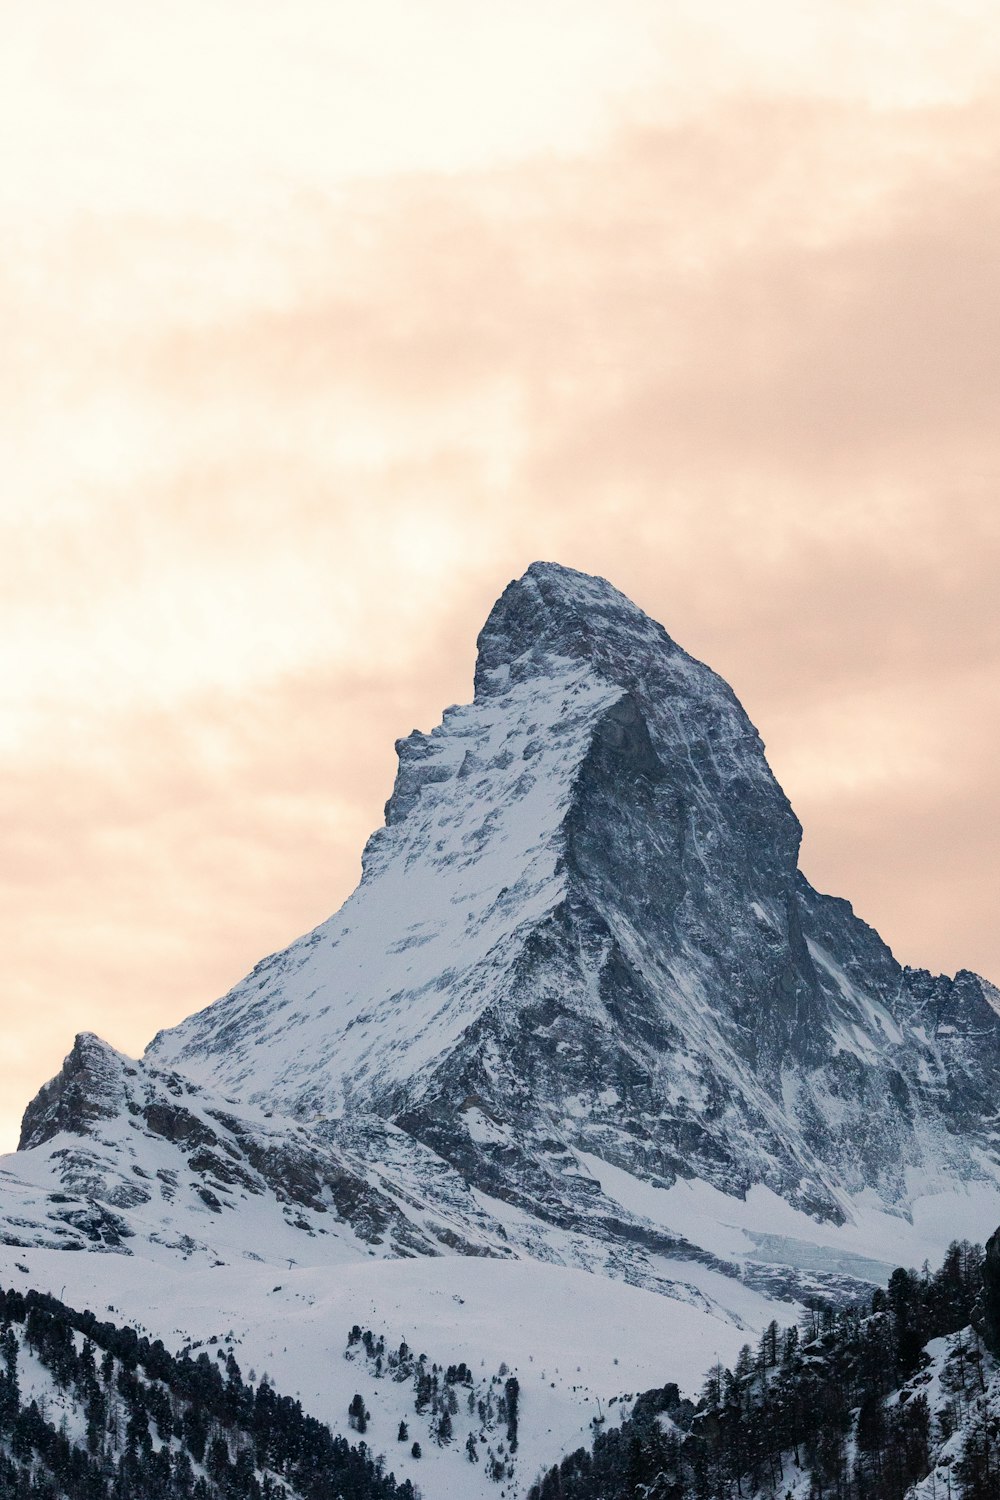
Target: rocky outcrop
(90, 1086)
(120, 1151)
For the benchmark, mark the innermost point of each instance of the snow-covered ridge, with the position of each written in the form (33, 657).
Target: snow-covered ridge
(468, 862)
(118, 1156)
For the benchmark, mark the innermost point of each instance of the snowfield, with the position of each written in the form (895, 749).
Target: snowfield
(869, 1244)
(577, 1343)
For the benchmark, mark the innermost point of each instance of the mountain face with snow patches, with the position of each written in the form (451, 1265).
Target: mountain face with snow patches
(583, 1013)
(583, 930)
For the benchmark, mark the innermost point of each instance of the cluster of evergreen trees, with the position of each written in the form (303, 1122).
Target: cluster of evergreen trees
(156, 1426)
(439, 1393)
(838, 1400)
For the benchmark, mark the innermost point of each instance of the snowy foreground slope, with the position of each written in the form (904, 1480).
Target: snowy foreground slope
(584, 1052)
(575, 1342)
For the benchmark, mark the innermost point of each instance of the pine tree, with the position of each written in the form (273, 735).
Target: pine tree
(443, 1430)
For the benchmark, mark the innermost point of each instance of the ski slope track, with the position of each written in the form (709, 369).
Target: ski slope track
(583, 1037)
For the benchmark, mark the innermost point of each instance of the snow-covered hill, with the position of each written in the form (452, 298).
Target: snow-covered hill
(575, 1342)
(895, 1398)
(93, 1410)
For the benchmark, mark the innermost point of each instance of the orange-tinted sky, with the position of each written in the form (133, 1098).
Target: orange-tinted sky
(321, 321)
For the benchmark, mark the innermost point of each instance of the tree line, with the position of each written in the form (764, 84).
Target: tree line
(488, 1407)
(158, 1426)
(838, 1401)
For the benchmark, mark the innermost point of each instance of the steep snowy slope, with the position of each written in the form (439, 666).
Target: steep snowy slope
(583, 929)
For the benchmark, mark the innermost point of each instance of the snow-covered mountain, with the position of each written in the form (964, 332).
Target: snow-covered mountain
(583, 1014)
(583, 933)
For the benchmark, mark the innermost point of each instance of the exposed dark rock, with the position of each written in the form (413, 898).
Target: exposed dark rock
(89, 1087)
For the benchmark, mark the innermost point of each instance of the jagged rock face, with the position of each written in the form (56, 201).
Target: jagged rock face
(115, 1154)
(678, 827)
(118, 1156)
(583, 928)
(90, 1086)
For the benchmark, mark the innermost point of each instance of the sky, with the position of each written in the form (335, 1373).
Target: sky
(320, 322)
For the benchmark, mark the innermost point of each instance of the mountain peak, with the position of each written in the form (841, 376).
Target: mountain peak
(90, 1086)
(552, 610)
(599, 770)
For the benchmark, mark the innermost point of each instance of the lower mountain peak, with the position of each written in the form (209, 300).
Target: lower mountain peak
(118, 1155)
(90, 1086)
